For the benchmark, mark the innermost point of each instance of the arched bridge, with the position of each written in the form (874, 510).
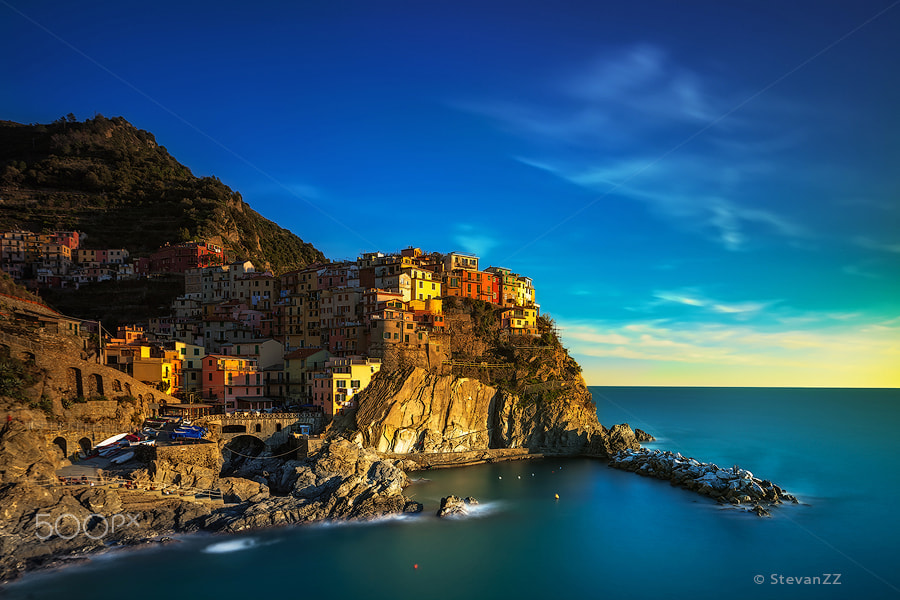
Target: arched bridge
(272, 429)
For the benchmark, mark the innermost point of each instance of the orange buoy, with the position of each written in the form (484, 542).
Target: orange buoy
(416, 566)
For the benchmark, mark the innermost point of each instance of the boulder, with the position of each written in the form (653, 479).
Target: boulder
(643, 437)
(455, 506)
(237, 489)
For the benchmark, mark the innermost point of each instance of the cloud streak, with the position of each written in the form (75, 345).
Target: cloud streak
(613, 127)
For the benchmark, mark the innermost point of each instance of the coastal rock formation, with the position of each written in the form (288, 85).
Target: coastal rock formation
(455, 506)
(238, 489)
(413, 410)
(25, 454)
(41, 526)
(735, 485)
(342, 481)
(643, 437)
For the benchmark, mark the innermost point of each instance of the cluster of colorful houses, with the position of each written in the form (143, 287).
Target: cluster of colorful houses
(58, 259)
(239, 339)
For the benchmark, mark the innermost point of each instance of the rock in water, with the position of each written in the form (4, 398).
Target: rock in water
(454, 505)
(643, 437)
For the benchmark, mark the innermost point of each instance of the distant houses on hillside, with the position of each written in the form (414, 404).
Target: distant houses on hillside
(313, 338)
(59, 259)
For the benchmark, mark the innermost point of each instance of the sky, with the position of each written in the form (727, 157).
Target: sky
(705, 193)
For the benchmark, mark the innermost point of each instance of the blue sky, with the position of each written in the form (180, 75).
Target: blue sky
(704, 193)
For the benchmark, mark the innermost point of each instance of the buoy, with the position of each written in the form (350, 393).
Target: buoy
(415, 566)
(532, 474)
(520, 477)
(501, 477)
(557, 496)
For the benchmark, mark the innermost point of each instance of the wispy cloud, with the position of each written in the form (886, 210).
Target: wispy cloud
(473, 239)
(872, 244)
(857, 271)
(694, 298)
(613, 122)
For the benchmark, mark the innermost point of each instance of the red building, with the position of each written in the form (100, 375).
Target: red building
(189, 255)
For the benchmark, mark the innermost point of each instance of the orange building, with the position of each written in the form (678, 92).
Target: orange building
(232, 382)
(478, 285)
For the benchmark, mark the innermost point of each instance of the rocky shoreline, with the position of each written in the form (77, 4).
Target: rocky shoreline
(733, 486)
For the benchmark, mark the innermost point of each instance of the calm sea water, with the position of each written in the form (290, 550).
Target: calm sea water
(611, 533)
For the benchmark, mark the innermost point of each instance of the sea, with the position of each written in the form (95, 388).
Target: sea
(609, 534)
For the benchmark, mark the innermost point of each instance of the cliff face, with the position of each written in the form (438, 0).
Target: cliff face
(416, 411)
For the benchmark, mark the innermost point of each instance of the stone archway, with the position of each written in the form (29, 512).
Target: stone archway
(63, 445)
(234, 429)
(85, 444)
(117, 386)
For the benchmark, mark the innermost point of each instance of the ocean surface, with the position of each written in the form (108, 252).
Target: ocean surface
(611, 533)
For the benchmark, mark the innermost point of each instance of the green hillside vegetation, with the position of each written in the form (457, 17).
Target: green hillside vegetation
(114, 182)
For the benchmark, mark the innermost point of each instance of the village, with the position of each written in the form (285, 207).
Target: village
(242, 340)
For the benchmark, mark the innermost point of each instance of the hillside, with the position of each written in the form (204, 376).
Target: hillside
(114, 182)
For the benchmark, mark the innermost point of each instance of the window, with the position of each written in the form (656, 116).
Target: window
(193, 377)
(387, 336)
(354, 383)
(210, 376)
(341, 383)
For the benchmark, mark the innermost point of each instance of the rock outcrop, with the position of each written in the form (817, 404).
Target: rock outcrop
(343, 481)
(643, 437)
(735, 485)
(25, 454)
(454, 506)
(413, 410)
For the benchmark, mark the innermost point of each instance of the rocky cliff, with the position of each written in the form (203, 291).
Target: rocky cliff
(500, 391)
(413, 410)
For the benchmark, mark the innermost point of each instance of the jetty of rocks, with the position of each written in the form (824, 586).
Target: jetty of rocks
(735, 485)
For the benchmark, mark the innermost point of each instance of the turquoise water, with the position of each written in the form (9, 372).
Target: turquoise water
(611, 533)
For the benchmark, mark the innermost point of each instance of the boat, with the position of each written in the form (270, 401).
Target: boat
(109, 441)
(123, 458)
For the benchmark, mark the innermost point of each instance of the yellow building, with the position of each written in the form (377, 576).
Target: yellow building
(525, 295)
(518, 320)
(424, 285)
(335, 387)
(159, 368)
